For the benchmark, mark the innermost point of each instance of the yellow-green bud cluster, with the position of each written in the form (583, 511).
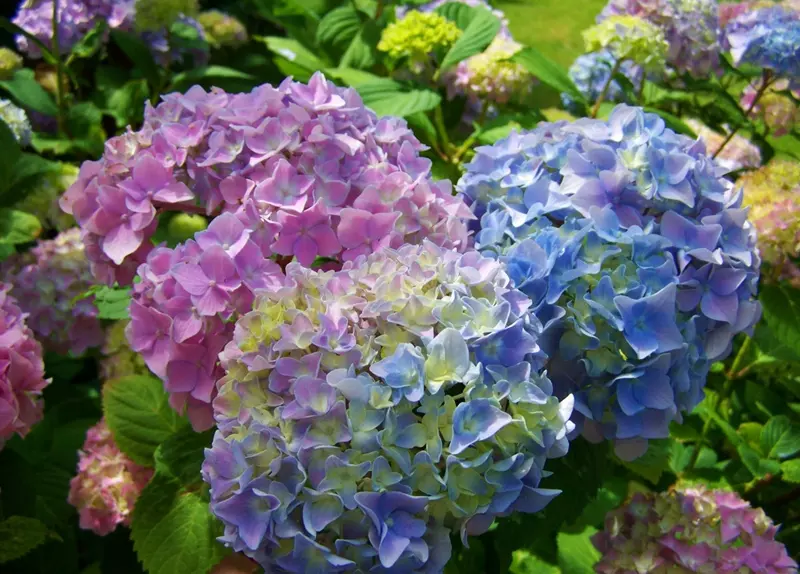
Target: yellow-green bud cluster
(10, 62)
(120, 360)
(222, 29)
(42, 200)
(418, 35)
(492, 76)
(629, 38)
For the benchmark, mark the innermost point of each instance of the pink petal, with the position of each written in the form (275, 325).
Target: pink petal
(191, 277)
(174, 193)
(212, 302)
(150, 174)
(354, 227)
(121, 242)
(217, 265)
(325, 238)
(305, 249)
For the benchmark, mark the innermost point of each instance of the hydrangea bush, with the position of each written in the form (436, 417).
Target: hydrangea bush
(105, 490)
(49, 282)
(366, 413)
(591, 73)
(636, 254)
(690, 529)
(21, 371)
(769, 38)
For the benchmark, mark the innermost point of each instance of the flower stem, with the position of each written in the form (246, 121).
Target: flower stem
(438, 120)
(604, 92)
(766, 78)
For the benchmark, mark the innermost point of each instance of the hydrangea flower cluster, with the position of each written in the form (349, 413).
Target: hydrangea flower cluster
(636, 254)
(778, 111)
(368, 412)
(628, 38)
(46, 281)
(17, 121)
(590, 74)
(738, 153)
(417, 36)
(768, 38)
(42, 200)
(773, 195)
(108, 483)
(491, 76)
(222, 29)
(166, 50)
(691, 29)
(21, 371)
(10, 62)
(729, 11)
(401, 11)
(286, 160)
(75, 19)
(119, 360)
(690, 529)
(302, 171)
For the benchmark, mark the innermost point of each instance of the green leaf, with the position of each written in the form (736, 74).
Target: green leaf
(112, 302)
(293, 51)
(758, 467)
(476, 37)
(173, 531)
(652, 464)
(127, 102)
(386, 98)
(361, 51)
(780, 438)
(353, 77)
(791, 470)
(217, 76)
(181, 455)
(19, 535)
(91, 43)
(339, 26)
(139, 53)
(24, 88)
(576, 553)
(547, 71)
(458, 13)
(679, 457)
(18, 227)
(523, 562)
(782, 313)
(138, 413)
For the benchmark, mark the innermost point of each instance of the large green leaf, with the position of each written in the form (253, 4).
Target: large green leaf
(112, 302)
(139, 416)
(782, 314)
(339, 26)
(480, 32)
(780, 438)
(791, 470)
(18, 227)
(181, 455)
(139, 53)
(387, 98)
(173, 531)
(24, 88)
(459, 13)
(576, 553)
(360, 52)
(547, 71)
(294, 52)
(759, 467)
(653, 463)
(19, 535)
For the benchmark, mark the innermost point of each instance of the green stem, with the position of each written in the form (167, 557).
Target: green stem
(604, 92)
(766, 78)
(438, 120)
(473, 136)
(60, 101)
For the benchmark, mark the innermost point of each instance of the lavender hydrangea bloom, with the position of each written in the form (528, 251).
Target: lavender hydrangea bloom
(358, 424)
(768, 38)
(691, 28)
(590, 72)
(46, 281)
(636, 254)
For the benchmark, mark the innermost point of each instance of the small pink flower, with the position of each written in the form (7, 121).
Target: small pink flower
(362, 232)
(307, 235)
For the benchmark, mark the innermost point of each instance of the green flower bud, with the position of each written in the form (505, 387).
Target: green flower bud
(222, 29)
(417, 36)
(629, 38)
(10, 62)
(183, 226)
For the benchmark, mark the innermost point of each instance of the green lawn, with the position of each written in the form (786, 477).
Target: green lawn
(552, 26)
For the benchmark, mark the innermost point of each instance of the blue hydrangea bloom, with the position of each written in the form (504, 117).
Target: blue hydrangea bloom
(768, 38)
(590, 72)
(637, 256)
(369, 413)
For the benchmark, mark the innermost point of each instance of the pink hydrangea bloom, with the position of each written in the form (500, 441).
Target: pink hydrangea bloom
(46, 280)
(21, 371)
(285, 155)
(299, 171)
(690, 529)
(107, 484)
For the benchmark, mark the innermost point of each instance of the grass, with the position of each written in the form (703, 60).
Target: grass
(552, 26)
